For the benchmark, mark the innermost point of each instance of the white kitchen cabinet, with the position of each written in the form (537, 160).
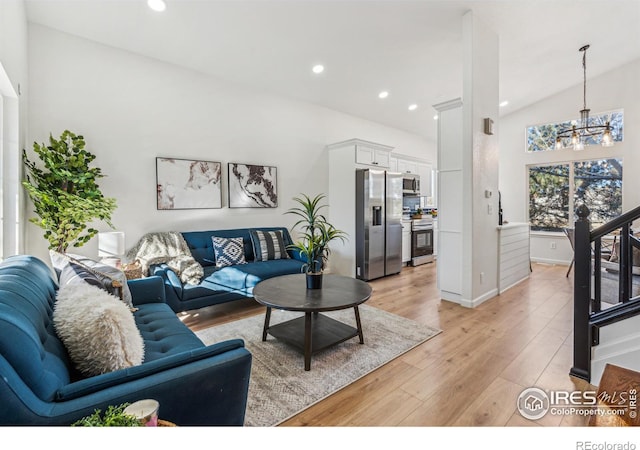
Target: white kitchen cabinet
(406, 166)
(417, 166)
(406, 241)
(393, 164)
(425, 171)
(372, 156)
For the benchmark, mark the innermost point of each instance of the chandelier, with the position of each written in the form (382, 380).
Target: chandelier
(582, 129)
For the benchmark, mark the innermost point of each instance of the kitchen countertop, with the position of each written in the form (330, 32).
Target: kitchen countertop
(512, 225)
(408, 219)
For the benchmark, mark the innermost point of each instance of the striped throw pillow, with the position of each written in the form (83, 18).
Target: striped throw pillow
(268, 245)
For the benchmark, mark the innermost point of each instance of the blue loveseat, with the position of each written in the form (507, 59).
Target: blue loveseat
(195, 384)
(228, 283)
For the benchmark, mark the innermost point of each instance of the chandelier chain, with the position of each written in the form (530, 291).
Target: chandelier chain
(584, 78)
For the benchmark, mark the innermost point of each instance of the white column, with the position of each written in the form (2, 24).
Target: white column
(468, 174)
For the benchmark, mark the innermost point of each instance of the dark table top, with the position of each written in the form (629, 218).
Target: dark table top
(289, 292)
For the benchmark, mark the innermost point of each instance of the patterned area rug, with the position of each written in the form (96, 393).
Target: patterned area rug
(280, 388)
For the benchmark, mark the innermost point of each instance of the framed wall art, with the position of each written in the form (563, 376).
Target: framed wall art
(252, 186)
(188, 184)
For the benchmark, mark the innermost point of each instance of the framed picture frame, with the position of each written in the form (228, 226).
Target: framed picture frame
(252, 186)
(188, 184)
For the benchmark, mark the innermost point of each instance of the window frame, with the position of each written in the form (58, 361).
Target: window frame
(599, 115)
(572, 186)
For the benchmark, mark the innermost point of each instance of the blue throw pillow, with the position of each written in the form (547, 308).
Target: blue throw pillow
(228, 251)
(268, 245)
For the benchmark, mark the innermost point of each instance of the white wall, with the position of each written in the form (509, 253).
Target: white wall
(13, 81)
(610, 91)
(13, 41)
(132, 109)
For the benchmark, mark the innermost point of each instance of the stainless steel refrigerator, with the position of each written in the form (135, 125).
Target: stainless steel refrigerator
(378, 223)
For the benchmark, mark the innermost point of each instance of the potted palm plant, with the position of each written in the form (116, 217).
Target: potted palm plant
(316, 234)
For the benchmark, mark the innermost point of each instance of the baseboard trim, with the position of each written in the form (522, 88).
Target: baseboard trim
(513, 284)
(457, 298)
(557, 262)
(479, 300)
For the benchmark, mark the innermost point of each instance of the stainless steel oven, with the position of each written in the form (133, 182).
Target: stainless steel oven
(421, 241)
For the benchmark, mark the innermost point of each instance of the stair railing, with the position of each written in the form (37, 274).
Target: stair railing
(588, 315)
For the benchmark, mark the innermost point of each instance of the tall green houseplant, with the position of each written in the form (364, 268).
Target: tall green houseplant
(65, 193)
(317, 233)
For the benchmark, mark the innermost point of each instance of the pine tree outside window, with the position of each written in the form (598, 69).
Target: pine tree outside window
(555, 191)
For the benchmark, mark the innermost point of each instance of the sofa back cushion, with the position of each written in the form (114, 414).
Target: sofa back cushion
(201, 243)
(28, 341)
(77, 269)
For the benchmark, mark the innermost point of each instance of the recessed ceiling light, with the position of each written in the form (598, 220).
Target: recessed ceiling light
(383, 94)
(318, 68)
(435, 117)
(504, 103)
(157, 5)
(413, 107)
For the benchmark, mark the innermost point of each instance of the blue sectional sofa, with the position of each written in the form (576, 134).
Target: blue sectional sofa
(195, 384)
(223, 284)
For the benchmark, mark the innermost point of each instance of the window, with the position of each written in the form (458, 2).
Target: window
(555, 191)
(11, 202)
(543, 137)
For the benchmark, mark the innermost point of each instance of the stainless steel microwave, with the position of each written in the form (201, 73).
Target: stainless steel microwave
(410, 184)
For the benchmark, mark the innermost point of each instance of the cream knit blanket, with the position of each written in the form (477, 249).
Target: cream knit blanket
(171, 249)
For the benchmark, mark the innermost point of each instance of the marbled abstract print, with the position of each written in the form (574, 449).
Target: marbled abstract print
(188, 184)
(252, 186)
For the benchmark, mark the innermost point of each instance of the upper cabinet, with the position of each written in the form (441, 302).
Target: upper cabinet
(370, 155)
(414, 166)
(426, 179)
(407, 166)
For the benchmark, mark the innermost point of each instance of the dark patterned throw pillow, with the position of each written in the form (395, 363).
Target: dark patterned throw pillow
(268, 245)
(228, 251)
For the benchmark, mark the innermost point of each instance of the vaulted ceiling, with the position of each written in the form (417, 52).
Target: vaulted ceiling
(412, 49)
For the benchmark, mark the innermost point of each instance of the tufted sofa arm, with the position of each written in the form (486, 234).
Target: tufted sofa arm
(147, 290)
(171, 282)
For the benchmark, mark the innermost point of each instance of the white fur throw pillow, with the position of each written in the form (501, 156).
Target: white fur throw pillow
(97, 329)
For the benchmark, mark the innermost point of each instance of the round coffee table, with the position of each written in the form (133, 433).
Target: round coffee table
(312, 332)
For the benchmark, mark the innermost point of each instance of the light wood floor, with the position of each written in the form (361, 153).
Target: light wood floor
(470, 374)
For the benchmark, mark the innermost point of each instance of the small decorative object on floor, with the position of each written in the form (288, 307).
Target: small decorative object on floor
(114, 416)
(146, 411)
(132, 270)
(166, 423)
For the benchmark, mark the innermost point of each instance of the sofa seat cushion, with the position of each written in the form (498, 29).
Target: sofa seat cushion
(205, 288)
(244, 277)
(162, 333)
